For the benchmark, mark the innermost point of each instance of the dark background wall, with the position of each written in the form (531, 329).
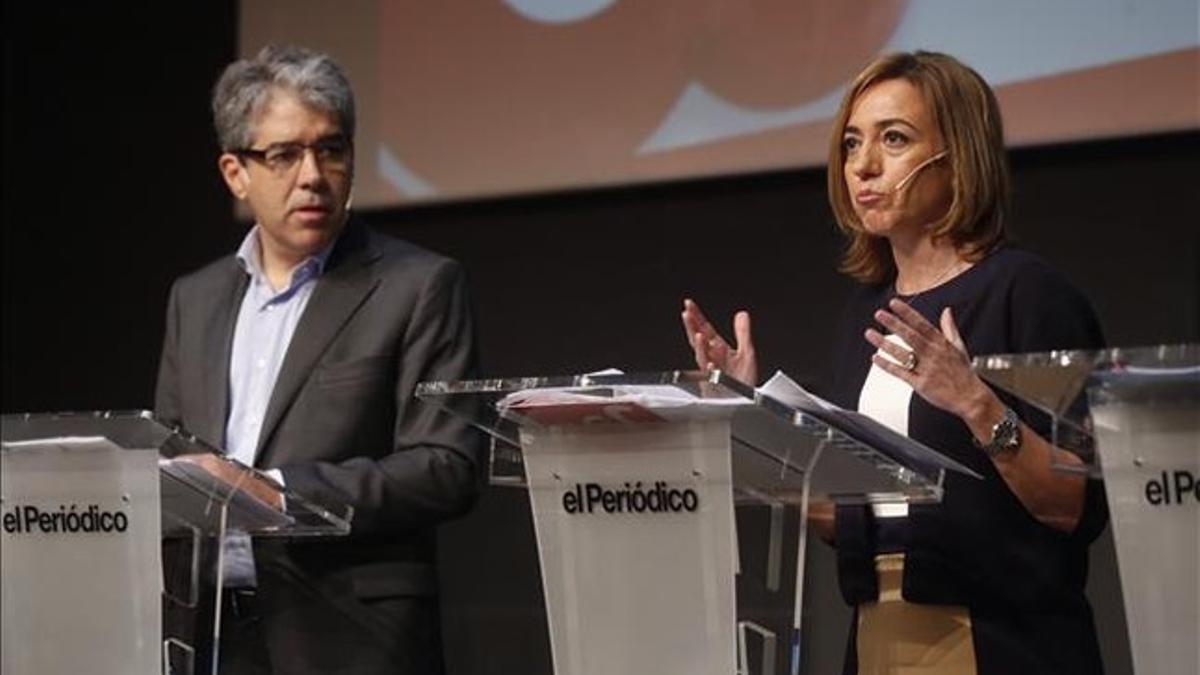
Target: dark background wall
(110, 190)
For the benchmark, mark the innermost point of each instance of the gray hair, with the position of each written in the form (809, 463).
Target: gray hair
(247, 86)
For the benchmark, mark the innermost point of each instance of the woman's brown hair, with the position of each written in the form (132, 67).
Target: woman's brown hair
(965, 111)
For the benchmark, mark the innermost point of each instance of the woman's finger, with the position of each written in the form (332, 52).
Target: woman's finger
(897, 351)
(893, 369)
(741, 332)
(718, 350)
(698, 332)
(694, 319)
(896, 325)
(688, 331)
(699, 350)
(914, 319)
(950, 330)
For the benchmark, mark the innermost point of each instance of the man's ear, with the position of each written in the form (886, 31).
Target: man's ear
(234, 173)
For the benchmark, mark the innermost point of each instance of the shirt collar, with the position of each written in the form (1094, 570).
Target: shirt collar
(250, 258)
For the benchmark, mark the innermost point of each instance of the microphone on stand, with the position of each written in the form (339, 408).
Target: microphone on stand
(916, 169)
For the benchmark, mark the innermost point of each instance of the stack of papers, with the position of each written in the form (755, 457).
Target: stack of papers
(860, 427)
(627, 404)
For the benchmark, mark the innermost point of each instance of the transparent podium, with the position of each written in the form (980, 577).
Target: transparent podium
(1134, 416)
(671, 509)
(111, 556)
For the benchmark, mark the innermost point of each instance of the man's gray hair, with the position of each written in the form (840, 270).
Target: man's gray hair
(247, 86)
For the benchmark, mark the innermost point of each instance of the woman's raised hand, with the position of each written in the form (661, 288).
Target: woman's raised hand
(936, 365)
(711, 350)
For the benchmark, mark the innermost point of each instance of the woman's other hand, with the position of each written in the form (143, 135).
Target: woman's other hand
(711, 350)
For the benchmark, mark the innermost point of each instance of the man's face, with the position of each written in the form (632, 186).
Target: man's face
(296, 179)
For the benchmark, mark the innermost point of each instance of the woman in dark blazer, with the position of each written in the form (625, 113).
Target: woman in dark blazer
(990, 580)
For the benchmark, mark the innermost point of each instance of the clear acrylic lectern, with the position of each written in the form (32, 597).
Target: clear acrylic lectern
(1133, 414)
(111, 553)
(671, 508)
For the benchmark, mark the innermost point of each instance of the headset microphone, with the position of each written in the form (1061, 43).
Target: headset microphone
(916, 169)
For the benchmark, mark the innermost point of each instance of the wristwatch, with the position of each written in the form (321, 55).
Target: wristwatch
(1006, 435)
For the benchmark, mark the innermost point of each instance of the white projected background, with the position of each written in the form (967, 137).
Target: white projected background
(476, 98)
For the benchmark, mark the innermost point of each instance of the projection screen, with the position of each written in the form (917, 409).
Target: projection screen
(463, 99)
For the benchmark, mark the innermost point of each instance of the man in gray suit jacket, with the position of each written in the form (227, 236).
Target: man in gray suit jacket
(300, 355)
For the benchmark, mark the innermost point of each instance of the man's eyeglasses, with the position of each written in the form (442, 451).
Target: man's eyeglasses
(332, 154)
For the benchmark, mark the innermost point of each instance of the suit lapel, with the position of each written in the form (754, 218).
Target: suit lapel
(341, 289)
(227, 300)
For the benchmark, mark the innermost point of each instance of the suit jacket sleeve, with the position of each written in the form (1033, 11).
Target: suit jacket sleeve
(433, 468)
(166, 392)
(1050, 313)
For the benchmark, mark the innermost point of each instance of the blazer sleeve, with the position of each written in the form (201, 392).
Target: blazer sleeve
(1050, 313)
(433, 470)
(167, 407)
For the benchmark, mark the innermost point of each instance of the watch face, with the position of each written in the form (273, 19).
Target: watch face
(1006, 435)
(1010, 437)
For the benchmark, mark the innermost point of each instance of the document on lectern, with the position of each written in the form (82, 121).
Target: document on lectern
(859, 426)
(628, 404)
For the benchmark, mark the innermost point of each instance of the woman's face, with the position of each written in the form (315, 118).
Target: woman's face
(889, 134)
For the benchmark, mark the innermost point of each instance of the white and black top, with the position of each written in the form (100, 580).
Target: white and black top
(1022, 581)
